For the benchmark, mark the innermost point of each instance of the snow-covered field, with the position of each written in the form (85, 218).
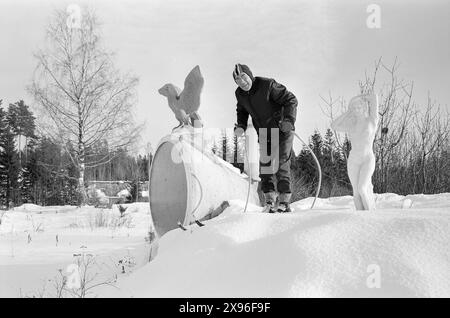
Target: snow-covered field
(36, 242)
(401, 249)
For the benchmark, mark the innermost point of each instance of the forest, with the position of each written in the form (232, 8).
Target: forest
(36, 169)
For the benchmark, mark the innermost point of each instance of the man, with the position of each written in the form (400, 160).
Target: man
(273, 110)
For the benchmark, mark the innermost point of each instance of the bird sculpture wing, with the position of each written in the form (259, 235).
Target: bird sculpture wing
(190, 96)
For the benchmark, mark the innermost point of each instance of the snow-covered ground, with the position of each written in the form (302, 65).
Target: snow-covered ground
(401, 249)
(36, 242)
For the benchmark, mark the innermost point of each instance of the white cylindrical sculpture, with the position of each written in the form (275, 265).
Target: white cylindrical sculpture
(251, 162)
(189, 183)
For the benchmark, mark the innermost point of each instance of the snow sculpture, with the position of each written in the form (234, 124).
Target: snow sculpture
(189, 184)
(251, 162)
(360, 123)
(185, 104)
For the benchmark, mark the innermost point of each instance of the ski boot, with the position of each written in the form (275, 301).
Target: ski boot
(283, 206)
(270, 198)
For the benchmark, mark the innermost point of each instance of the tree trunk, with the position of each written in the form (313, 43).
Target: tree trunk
(81, 189)
(424, 181)
(81, 168)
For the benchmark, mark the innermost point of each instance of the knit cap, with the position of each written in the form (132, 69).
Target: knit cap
(242, 68)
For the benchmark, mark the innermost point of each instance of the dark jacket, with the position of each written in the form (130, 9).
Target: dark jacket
(267, 102)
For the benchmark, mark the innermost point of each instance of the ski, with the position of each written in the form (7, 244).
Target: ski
(199, 223)
(181, 226)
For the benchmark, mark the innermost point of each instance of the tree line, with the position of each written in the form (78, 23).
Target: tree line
(35, 169)
(304, 173)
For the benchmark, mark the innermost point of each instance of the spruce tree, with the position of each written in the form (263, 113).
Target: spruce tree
(225, 152)
(8, 162)
(329, 163)
(23, 126)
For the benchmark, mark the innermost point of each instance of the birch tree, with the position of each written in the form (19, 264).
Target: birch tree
(83, 98)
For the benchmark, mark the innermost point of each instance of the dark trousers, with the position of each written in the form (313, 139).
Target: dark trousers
(275, 160)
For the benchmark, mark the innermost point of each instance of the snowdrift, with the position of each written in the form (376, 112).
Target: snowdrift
(333, 251)
(36, 242)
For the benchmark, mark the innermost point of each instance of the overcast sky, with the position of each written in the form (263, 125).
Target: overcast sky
(312, 47)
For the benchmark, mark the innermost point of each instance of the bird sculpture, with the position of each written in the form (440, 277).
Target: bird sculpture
(185, 104)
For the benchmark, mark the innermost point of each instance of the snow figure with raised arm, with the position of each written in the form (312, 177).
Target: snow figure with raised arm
(360, 123)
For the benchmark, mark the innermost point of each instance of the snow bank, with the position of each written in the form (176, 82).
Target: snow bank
(333, 251)
(35, 242)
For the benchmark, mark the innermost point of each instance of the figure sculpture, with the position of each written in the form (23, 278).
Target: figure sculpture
(360, 123)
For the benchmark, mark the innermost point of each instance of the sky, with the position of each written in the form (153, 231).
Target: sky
(312, 47)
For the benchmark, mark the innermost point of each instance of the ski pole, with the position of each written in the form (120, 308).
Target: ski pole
(318, 167)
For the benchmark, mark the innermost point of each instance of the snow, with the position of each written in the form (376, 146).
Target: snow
(59, 232)
(123, 193)
(400, 249)
(102, 197)
(332, 251)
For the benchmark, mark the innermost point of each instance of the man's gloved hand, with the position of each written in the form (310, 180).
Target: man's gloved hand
(286, 126)
(238, 131)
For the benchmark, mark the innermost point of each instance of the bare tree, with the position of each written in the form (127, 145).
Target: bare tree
(396, 111)
(329, 110)
(433, 129)
(83, 97)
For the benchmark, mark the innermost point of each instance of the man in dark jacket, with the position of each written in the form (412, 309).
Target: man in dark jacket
(273, 110)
